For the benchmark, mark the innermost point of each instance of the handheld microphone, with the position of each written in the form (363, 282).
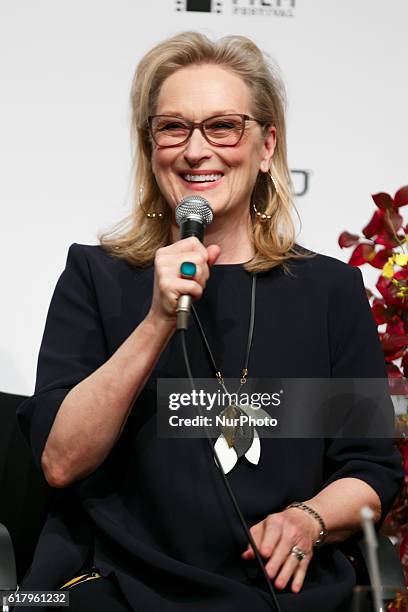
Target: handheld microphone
(193, 213)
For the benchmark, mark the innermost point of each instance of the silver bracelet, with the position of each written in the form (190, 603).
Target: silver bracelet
(323, 531)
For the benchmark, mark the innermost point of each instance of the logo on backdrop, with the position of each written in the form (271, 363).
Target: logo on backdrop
(300, 179)
(261, 8)
(199, 6)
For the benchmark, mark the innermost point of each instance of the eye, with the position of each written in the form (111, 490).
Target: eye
(221, 124)
(171, 125)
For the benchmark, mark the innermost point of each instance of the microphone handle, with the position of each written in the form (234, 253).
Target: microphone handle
(189, 227)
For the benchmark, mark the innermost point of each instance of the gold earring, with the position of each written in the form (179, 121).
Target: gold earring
(152, 215)
(273, 181)
(264, 216)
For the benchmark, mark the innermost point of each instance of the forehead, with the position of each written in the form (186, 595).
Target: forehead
(197, 92)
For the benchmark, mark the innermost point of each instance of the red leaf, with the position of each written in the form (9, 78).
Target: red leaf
(383, 200)
(392, 221)
(375, 225)
(362, 254)
(402, 274)
(393, 342)
(401, 197)
(379, 311)
(381, 257)
(390, 356)
(347, 240)
(386, 238)
(395, 326)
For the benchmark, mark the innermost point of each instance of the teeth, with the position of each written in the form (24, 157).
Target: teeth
(201, 178)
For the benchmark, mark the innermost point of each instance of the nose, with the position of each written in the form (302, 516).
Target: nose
(197, 148)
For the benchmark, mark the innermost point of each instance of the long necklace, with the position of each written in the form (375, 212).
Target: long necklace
(237, 438)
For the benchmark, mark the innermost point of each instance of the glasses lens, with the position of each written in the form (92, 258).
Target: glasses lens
(224, 130)
(168, 131)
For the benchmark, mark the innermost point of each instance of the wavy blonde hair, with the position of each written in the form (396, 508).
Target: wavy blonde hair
(137, 238)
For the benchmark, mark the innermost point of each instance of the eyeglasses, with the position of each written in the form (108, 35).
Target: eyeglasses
(220, 131)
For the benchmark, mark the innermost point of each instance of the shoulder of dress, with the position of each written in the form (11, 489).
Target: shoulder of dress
(94, 254)
(96, 262)
(323, 269)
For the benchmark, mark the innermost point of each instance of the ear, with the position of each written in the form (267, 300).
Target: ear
(268, 148)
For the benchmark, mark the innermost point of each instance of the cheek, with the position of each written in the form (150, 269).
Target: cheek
(246, 158)
(161, 160)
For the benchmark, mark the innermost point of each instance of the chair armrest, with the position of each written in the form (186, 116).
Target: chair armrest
(8, 576)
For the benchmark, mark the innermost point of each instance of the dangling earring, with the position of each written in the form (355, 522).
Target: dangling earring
(152, 215)
(273, 181)
(263, 216)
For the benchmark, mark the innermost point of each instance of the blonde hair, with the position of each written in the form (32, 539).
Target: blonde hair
(137, 238)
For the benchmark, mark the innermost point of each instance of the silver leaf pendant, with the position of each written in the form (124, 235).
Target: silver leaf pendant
(230, 414)
(238, 434)
(256, 413)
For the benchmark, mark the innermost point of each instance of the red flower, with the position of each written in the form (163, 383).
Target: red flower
(389, 292)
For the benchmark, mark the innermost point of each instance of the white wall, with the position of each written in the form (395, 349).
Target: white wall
(66, 69)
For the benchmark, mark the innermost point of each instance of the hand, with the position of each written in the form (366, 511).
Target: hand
(275, 537)
(169, 285)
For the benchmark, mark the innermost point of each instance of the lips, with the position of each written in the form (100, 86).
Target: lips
(202, 178)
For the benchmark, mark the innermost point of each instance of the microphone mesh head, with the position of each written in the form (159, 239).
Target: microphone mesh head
(194, 205)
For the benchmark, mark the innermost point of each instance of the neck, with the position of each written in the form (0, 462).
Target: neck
(234, 236)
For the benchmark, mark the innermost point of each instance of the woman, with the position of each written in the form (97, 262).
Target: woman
(152, 513)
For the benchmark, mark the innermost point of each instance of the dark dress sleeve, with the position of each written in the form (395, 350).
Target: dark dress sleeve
(356, 353)
(73, 346)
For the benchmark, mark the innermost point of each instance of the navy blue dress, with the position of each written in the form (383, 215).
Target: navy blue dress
(155, 512)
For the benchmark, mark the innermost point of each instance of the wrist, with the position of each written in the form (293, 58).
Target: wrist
(321, 530)
(159, 323)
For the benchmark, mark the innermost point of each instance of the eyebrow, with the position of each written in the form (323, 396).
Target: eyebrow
(213, 114)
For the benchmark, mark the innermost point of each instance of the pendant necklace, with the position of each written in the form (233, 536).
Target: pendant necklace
(237, 439)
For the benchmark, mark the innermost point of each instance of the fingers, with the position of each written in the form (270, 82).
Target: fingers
(257, 533)
(299, 575)
(213, 252)
(290, 569)
(275, 538)
(168, 282)
(266, 535)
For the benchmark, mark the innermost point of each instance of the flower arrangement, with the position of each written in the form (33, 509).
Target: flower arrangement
(384, 245)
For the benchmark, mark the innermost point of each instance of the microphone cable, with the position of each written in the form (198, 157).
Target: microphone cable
(227, 485)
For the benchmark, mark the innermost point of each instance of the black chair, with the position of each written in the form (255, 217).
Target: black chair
(25, 498)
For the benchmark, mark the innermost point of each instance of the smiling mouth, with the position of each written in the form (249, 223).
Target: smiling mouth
(202, 178)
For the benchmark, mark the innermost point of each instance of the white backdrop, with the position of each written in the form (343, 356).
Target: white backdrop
(66, 69)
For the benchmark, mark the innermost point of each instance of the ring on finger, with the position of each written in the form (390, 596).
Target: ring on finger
(298, 553)
(188, 269)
